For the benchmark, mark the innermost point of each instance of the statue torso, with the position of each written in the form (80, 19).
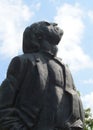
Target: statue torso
(57, 104)
(45, 96)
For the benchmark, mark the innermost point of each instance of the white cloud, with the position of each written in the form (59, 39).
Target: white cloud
(88, 81)
(70, 19)
(13, 15)
(88, 101)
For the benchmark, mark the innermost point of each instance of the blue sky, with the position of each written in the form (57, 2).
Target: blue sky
(75, 17)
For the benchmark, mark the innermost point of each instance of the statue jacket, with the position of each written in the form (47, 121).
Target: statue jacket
(39, 93)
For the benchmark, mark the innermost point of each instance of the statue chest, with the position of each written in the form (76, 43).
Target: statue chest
(55, 73)
(55, 87)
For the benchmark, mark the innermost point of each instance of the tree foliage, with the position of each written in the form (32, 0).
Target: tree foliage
(88, 120)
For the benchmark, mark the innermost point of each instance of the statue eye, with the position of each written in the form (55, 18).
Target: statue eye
(47, 24)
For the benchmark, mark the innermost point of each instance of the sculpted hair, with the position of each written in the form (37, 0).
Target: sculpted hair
(30, 41)
(32, 36)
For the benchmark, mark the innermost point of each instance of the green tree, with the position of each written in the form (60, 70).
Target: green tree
(88, 120)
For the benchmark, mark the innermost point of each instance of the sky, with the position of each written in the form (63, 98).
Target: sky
(75, 17)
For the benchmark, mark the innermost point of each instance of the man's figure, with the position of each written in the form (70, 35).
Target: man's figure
(38, 92)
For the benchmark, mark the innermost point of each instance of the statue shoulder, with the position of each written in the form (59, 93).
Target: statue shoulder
(33, 58)
(59, 61)
(29, 57)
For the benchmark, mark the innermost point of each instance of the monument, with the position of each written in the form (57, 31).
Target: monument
(39, 92)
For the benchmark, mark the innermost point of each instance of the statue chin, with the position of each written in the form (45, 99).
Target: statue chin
(45, 46)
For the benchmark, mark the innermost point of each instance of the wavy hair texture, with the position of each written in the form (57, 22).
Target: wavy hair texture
(30, 41)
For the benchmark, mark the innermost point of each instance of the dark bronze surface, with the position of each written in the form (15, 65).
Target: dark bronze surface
(38, 92)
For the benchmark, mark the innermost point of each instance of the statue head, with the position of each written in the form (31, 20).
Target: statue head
(41, 33)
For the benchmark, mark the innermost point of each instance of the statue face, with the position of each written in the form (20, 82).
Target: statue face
(55, 30)
(51, 32)
(47, 31)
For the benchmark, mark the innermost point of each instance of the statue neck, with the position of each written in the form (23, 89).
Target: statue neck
(45, 46)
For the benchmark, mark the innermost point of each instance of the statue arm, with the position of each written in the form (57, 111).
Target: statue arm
(8, 90)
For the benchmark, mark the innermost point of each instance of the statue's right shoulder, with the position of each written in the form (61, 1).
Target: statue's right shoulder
(30, 57)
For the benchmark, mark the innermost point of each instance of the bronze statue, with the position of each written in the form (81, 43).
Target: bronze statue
(38, 92)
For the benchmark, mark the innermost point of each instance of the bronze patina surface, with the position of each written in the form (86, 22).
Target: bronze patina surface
(38, 92)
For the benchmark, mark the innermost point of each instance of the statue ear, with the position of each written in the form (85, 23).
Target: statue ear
(30, 41)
